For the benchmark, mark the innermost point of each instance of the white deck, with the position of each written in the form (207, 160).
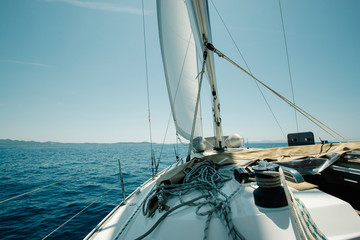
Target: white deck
(334, 217)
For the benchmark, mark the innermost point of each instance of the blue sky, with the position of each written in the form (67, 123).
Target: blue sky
(74, 70)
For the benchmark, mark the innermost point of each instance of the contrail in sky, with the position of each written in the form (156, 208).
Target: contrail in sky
(103, 6)
(24, 62)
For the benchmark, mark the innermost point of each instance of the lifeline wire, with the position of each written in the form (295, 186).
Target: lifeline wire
(78, 213)
(37, 189)
(303, 112)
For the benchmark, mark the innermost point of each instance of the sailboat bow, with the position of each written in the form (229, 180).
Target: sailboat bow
(225, 191)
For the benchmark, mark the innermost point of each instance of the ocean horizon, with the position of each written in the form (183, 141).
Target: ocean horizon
(84, 174)
(28, 142)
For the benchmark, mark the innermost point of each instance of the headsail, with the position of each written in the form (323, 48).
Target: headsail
(184, 28)
(180, 64)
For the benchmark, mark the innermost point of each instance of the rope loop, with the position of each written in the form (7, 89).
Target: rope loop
(203, 178)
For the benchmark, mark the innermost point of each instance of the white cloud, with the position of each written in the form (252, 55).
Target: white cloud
(103, 6)
(24, 63)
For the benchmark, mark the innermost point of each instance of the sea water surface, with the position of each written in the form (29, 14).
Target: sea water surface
(91, 170)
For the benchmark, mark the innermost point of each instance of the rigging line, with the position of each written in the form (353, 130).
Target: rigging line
(146, 68)
(182, 67)
(197, 105)
(163, 143)
(147, 88)
(168, 212)
(247, 66)
(295, 217)
(82, 210)
(179, 139)
(180, 75)
(288, 63)
(176, 149)
(303, 112)
(49, 185)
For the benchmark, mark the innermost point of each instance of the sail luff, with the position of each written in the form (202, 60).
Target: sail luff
(180, 64)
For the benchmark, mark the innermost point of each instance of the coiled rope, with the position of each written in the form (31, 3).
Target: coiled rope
(307, 221)
(205, 179)
(297, 108)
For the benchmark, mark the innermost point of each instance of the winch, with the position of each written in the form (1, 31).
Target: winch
(270, 193)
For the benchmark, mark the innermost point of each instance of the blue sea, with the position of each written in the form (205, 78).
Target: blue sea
(91, 170)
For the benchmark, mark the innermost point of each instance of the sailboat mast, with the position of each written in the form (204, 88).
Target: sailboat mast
(217, 118)
(215, 98)
(200, 13)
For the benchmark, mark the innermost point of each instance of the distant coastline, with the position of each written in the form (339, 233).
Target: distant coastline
(9, 142)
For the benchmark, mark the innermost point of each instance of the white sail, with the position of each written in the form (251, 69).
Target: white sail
(180, 64)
